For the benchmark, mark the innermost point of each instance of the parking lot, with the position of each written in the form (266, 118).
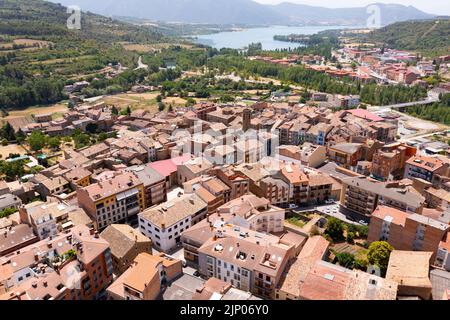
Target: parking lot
(333, 209)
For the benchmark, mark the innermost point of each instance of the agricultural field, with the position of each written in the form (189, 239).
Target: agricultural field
(57, 110)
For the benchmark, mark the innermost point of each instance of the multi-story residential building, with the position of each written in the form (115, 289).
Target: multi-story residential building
(201, 110)
(193, 169)
(437, 198)
(389, 162)
(80, 260)
(115, 200)
(248, 260)
(426, 168)
(249, 150)
(308, 154)
(165, 223)
(155, 188)
(43, 217)
(318, 134)
(145, 278)
(126, 244)
(237, 182)
(53, 187)
(211, 190)
(298, 184)
(319, 188)
(407, 231)
(346, 154)
(362, 196)
(78, 177)
(168, 169)
(382, 131)
(254, 213)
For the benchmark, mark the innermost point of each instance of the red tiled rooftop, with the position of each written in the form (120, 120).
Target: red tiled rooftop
(364, 114)
(169, 166)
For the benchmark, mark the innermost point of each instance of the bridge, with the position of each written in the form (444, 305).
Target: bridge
(409, 104)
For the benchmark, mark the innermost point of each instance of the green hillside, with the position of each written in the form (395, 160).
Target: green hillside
(430, 37)
(39, 54)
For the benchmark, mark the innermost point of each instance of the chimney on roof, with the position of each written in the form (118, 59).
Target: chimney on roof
(96, 235)
(45, 283)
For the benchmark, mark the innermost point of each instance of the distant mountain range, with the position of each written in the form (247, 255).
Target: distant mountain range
(243, 12)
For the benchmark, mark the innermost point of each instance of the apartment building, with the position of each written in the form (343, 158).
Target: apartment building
(318, 134)
(53, 187)
(43, 217)
(437, 198)
(254, 213)
(246, 259)
(238, 183)
(193, 169)
(407, 231)
(115, 200)
(78, 177)
(79, 259)
(319, 188)
(362, 196)
(298, 183)
(211, 190)
(389, 162)
(126, 244)
(155, 188)
(145, 278)
(426, 168)
(346, 154)
(165, 223)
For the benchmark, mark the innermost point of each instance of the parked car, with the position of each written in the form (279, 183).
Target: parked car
(363, 223)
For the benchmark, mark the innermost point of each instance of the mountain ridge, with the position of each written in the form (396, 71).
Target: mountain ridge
(244, 12)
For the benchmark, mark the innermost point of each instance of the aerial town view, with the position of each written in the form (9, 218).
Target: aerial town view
(252, 151)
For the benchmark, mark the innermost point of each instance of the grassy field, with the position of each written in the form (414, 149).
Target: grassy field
(56, 109)
(28, 43)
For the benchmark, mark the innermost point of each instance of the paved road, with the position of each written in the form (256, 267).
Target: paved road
(141, 65)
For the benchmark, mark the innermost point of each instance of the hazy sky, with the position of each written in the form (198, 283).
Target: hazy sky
(440, 7)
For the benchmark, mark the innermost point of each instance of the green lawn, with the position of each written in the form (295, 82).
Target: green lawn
(296, 222)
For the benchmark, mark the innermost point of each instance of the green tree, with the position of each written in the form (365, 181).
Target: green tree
(102, 137)
(114, 110)
(335, 229)
(379, 254)
(346, 260)
(54, 142)
(351, 237)
(37, 141)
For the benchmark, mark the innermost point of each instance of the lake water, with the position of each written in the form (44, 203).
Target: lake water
(241, 39)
